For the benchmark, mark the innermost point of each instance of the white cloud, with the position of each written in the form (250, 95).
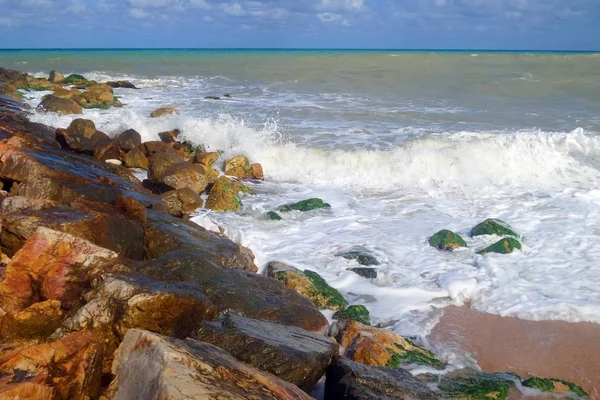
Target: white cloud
(347, 5)
(76, 6)
(149, 3)
(234, 9)
(333, 18)
(138, 13)
(201, 4)
(255, 9)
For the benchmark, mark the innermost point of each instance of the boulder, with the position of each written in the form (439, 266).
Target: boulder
(160, 112)
(160, 162)
(39, 84)
(225, 195)
(128, 140)
(169, 136)
(61, 106)
(66, 369)
(96, 96)
(76, 79)
(290, 353)
(446, 240)
(503, 246)
(348, 380)
(272, 215)
(358, 313)
(241, 168)
(10, 90)
(36, 321)
(471, 385)
(81, 136)
(185, 175)
(309, 284)
(66, 93)
(556, 386)
(494, 227)
(136, 159)
(369, 273)
(121, 84)
(380, 347)
(208, 159)
(305, 205)
(150, 366)
(361, 256)
(82, 127)
(52, 266)
(56, 77)
(181, 201)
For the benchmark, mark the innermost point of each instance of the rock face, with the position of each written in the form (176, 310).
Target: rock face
(290, 353)
(160, 112)
(150, 366)
(347, 380)
(380, 347)
(494, 227)
(305, 205)
(61, 106)
(224, 195)
(36, 321)
(504, 246)
(62, 370)
(309, 284)
(446, 240)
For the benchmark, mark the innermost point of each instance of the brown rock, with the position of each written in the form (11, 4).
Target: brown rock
(29, 391)
(185, 175)
(170, 136)
(82, 136)
(136, 159)
(224, 195)
(160, 162)
(152, 147)
(132, 207)
(82, 127)
(56, 77)
(162, 112)
(61, 106)
(128, 140)
(208, 159)
(148, 365)
(121, 84)
(181, 201)
(253, 171)
(235, 162)
(96, 96)
(66, 93)
(37, 321)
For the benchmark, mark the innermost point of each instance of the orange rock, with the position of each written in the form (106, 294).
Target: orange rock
(39, 320)
(29, 391)
(208, 159)
(241, 168)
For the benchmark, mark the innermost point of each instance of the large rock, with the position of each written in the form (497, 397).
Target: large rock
(76, 79)
(67, 369)
(181, 201)
(556, 386)
(56, 77)
(347, 380)
(225, 195)
(136, 159)
(494, 227)
(160, 112)
(128, 140)
(471, 385)
(309, 284)
(160, 162)
(121, 84)
(358, 313)
(241, 168)
(150, 366)
(208, 159)
(380, 347)
(58, 105)
(288, 352)
(66, 93)
(81, 136)
(96, 96)
(185, 175)
(446, 240)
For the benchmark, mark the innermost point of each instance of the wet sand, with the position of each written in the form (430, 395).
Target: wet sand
(551, 349)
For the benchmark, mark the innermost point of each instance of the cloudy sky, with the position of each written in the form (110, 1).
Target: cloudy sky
(425, 24)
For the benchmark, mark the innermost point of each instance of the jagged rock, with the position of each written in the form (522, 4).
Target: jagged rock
(288, 352)
(380, 347)
(160, 112)
(347, 380)
(76, 79)
(169, 136)
(503, 246)
(56, 77)
(121, 84)
(160, 162)
(369, 273)
(185, 175)
(272, 215)
(494, 227)
(208, 159)
(446, 240)
(470, 385)
(181, 201)
(309, 284)
(358, 313)
(305, 205)
(61, 106)
(224, 195)
(136, 159)
(96, 96)
(150, 366)
(67, 369)
(361, 256)
(36, 321)
(128, 140)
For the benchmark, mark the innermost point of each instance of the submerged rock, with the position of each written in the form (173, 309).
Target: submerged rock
(160, 112)
(61, 106)
(309, 284)
(305, 205)
(150, 366)
(494, 227)
(369, 273)
(556, 386)
(348, 380)
(288, 352)
(503, 246)
(447, 240)
(272, 215)
(358, 313)
(470, 385)
(121, 84)
(380, 347)
(361, 256)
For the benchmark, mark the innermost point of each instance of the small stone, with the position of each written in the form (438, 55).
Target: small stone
(114, 161)
(503, 246)
(447, 240)
(305, 205)
(169, 136)
(212, 97)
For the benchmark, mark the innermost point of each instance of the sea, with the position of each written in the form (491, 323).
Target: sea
(402, 144)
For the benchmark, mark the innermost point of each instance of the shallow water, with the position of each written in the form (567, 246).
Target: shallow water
(402, 145)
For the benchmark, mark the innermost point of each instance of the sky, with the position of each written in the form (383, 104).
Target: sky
(400, 24)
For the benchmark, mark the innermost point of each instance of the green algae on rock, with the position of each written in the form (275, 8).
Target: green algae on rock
(413, 355)
(447, 240)
(477, 386)
(493, 226)
(309, 284)
(76, 79)
(305, 205)
(503, 246)
(272, 215)
(557, 386)
(362, 257)
(224, 195)
(357, 313)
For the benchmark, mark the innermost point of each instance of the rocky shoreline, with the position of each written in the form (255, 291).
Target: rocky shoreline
(108, 291)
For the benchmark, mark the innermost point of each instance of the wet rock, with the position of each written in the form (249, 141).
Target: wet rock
(241, 168)
(347, 380)
(212, 97)
(160, 162)
(380, 347)
(136, 159)
(369, 273)
(272, 215)
(10, 90)
(185, 175)
(169, 136)
(309, 284)
(225, 195)
(132, 207)
(82, 127)
(358, 313)
(494, 227)
(290, 353)
(69, 369)
(61, 106)
(470, 385)
(446, 240)
(208, 159)
(148, 366)
(182, 201)
(56, 77)
(81, 136)
(121, 84)
(66, 93)
(52, 266)
(160, 112)
(556, 386)
(76, 79)
(128, 140)
(154, 147)
(36, 321)
(503, 246)
(361, 256)
(305, 205)
(96, 96)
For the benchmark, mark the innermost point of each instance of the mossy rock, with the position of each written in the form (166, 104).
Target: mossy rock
(358, 313)
(76, 79)
(305, 205)
(225, 195)
(38, 85)
(494, 226)
(401, 356)
(272, 215)
(503, 246)
(447, 240)
(477, 386)
(362, 257)
(555, 386)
